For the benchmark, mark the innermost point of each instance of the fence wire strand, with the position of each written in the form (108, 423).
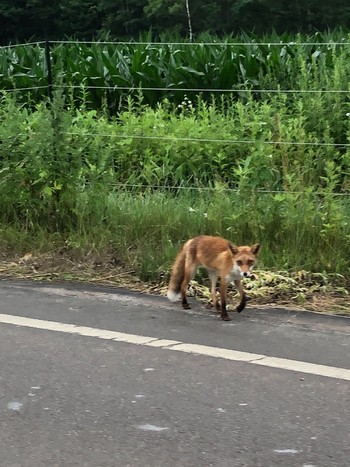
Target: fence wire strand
(13, 46)
(177, 44)
(194, 140)
(188, 90)
(208, 140)
(212, 90)
(193, 44)
(223, 188)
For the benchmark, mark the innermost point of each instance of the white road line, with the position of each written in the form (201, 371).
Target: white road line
(216, 352)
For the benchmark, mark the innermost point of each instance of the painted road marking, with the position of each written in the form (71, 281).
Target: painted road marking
(215, 352)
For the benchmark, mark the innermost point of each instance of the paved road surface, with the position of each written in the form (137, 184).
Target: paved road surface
(98, 394)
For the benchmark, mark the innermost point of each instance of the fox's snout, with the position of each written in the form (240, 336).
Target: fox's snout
(241, 272)
(245, 269)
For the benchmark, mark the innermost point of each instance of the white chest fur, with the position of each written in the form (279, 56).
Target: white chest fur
(235, 274)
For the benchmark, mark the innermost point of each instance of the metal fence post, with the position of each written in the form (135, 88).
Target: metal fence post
(49, 69)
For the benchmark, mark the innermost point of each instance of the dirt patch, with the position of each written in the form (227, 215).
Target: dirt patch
(298, 290)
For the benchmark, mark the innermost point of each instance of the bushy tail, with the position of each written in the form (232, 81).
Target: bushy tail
(177, 276)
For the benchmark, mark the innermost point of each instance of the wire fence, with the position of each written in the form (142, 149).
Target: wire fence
(187, 44)
(203, 90)
(260, 192)
(210, 140)
(183, 90)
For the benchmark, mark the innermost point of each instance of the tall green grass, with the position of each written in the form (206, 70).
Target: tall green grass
(270, 145)
(144, 230)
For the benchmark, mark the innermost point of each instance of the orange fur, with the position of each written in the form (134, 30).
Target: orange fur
(222, 259)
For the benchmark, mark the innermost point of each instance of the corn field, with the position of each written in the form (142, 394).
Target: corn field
(105, 73)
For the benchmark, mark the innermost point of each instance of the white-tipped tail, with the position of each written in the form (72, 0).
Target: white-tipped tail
(173, 296)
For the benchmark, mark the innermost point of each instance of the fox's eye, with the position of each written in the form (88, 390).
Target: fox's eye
(239, 263)
(250, 262)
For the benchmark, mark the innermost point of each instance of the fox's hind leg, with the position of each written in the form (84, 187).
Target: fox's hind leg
(184, 285)
(190, 272)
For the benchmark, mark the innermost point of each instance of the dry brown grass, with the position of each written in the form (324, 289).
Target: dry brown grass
(301, 290)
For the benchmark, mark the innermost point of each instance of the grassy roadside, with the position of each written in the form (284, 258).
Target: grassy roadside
(301, 290)
(130, 239)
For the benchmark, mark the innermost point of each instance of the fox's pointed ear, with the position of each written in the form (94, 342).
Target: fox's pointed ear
(255, 248)
(233, 248)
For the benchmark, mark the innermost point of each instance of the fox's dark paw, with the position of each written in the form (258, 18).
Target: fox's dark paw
(240, 308)
(186, 306)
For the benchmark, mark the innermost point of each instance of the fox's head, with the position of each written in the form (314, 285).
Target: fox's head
(244, 258)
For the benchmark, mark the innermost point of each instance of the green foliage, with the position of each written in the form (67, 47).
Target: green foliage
(274, 144)
(144, 182)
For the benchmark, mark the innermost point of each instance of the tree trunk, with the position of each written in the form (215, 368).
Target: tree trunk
(189, 20)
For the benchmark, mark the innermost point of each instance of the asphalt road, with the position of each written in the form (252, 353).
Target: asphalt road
(68, 399)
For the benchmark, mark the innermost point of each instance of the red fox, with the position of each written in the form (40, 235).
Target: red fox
(222, 259)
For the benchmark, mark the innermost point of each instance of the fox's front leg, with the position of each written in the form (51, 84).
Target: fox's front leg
(213, 279)
(240, 307)
(223, 294)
